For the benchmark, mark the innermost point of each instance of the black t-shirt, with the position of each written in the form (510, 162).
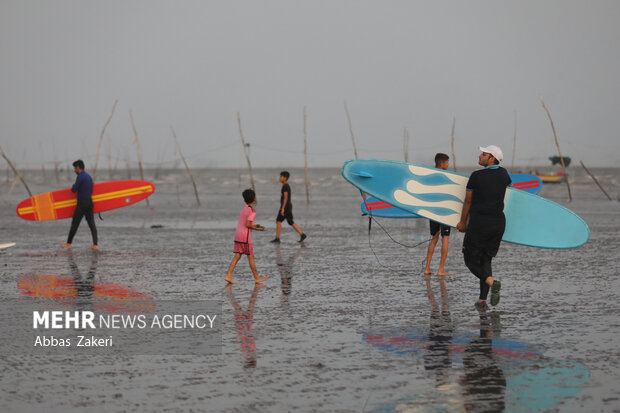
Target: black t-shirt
(289, 205)
(489, 186)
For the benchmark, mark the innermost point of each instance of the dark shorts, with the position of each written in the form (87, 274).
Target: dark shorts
(288, 215)
(436, 226)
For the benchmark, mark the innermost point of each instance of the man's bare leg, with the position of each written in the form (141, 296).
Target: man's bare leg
(257, 278)
(445, 240)
(278, 229)
(296, 228)
(231, 268)
(429, 254)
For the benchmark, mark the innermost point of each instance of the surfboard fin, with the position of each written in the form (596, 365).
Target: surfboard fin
(362, 174)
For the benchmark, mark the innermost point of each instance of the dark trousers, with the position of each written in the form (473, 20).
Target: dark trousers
(480, 245)
(84, 208)
(480, 266)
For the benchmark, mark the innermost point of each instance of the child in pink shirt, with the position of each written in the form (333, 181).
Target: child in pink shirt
(243, 237)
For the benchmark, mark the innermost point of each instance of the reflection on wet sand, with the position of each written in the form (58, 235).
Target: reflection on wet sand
(85, 286)
(286, 268)
(438, 356)
(243, 325)
(484, 381)
(83, 292)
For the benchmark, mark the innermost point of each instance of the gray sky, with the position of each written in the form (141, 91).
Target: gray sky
(413, 64)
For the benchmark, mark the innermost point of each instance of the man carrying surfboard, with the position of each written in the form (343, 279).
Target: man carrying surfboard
(484, 205)
(84, 187)
(442, 161)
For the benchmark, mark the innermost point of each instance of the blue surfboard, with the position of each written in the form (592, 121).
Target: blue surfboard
(377, 208)
(438, 195)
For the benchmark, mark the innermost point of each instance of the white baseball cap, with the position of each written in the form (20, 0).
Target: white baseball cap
(493, 150)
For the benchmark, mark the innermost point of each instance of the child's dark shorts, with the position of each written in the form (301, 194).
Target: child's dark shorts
(436, 226)
(288, 215)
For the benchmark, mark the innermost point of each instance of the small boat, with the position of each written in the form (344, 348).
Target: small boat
(552, 179)
(558, 177)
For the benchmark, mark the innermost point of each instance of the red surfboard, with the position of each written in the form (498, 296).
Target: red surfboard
(60, 204)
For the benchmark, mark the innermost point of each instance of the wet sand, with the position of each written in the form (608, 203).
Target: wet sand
(335, 328)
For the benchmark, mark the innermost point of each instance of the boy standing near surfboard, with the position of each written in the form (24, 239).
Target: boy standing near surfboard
(286, 209)
(84, 187)
(442, 161)
(243, 237)
(484, 204)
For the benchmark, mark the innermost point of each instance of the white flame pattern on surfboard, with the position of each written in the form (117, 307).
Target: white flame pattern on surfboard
(451, 185)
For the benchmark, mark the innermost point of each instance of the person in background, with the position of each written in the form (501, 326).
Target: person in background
(84, 187)
(286, 209)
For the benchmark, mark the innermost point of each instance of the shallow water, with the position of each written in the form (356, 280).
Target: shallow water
(346, 322)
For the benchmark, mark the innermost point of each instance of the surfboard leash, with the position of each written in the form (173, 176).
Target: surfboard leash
(370, 219)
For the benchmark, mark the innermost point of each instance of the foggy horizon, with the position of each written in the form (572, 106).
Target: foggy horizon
(399, 65)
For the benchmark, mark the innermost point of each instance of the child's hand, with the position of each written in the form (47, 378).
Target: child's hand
(259, 227)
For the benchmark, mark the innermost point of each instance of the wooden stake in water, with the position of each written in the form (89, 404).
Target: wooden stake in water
(595, 180)
(110, 172)
(245, 150)
(186, 166)
(68, 165)
(557, 144)
(137, 142)
(42, 161)
(406, 144)
(56, 163)
(101, 140)
(453, 157)
(17, 175)
(346, 109)
(306, 159)
(160, 160)
(514, 146)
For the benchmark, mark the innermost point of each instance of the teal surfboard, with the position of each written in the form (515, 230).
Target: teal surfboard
(438, 195)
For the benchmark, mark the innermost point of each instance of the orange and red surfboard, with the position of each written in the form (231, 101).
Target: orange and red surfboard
(105, 297)
(106, 196)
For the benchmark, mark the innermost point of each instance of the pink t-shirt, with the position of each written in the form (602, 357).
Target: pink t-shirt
(244, 234)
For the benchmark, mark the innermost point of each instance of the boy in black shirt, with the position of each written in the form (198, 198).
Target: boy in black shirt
(286, 209)
(484, 204)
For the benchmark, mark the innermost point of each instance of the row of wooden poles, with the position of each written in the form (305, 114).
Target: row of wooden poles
(406, 140)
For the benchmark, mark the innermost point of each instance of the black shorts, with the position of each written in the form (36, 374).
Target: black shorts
(436, 226)
(288, 215)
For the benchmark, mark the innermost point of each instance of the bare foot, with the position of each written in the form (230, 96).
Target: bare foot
(428, 272)
(229, 280)
(95, 248)
(260, 279)
(65, 245)
(443, 273)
